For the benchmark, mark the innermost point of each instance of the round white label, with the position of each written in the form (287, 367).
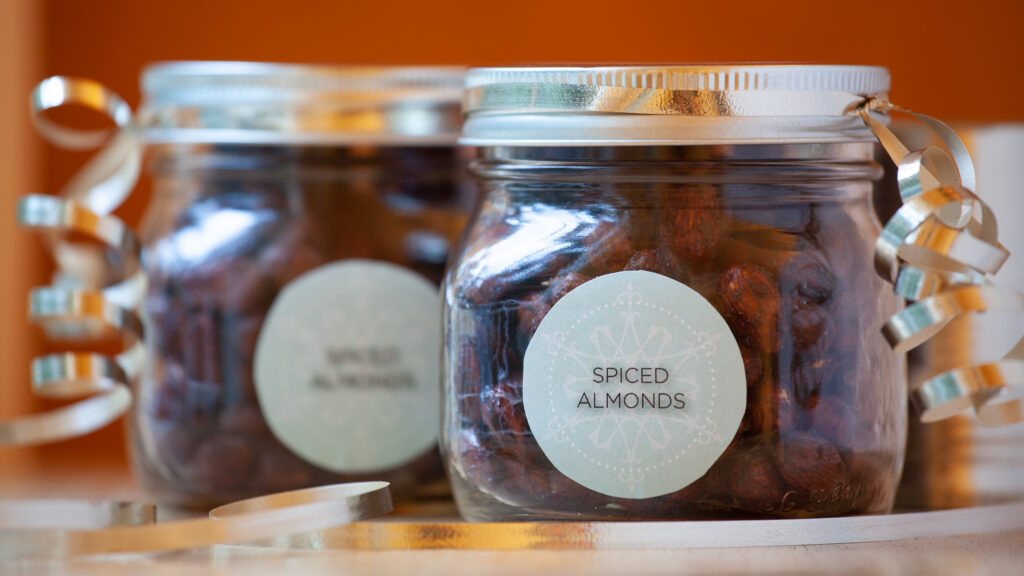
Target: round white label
(346, 366)
(633, 385)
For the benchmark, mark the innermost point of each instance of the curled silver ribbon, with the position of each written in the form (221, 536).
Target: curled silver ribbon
(123, 527)
(419, 535)
(83, 304)
(939, 250)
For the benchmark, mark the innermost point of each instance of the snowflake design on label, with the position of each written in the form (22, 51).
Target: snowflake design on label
(633, 385)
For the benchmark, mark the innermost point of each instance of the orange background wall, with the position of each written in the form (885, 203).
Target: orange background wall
(954, 59)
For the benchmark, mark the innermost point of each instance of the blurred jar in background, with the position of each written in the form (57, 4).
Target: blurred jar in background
(300, 223)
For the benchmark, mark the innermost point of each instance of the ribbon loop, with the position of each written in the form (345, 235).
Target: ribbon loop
(911, 170)
(129, 527)
(105, 181)
(58, 91)
(80, 305)
(80, 308)
(939, 250)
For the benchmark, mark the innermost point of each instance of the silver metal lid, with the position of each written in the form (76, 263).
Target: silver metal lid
(258, 103)
(667, 105)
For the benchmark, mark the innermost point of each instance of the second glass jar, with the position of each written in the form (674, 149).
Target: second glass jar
(299, 227)
(669, 331)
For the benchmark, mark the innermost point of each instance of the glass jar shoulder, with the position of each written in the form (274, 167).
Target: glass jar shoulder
(210, 205)
(525, 234)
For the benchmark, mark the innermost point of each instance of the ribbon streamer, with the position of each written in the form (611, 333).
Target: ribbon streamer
(131, 527)
(939, 250)
(79, 306)
(663, 535)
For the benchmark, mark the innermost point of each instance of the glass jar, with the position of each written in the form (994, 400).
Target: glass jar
(299, 226)
(664, 306)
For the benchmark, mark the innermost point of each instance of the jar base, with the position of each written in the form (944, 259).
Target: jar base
(476, 505)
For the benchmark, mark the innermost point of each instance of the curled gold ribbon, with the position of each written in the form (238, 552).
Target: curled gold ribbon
(82, 304)
(939, 250)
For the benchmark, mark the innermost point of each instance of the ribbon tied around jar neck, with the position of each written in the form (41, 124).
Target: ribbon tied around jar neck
(939, 250)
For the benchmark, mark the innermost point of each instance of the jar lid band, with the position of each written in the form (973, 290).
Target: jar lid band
(667, 105)
(318, 124)
(261, 103)
(535, 98)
